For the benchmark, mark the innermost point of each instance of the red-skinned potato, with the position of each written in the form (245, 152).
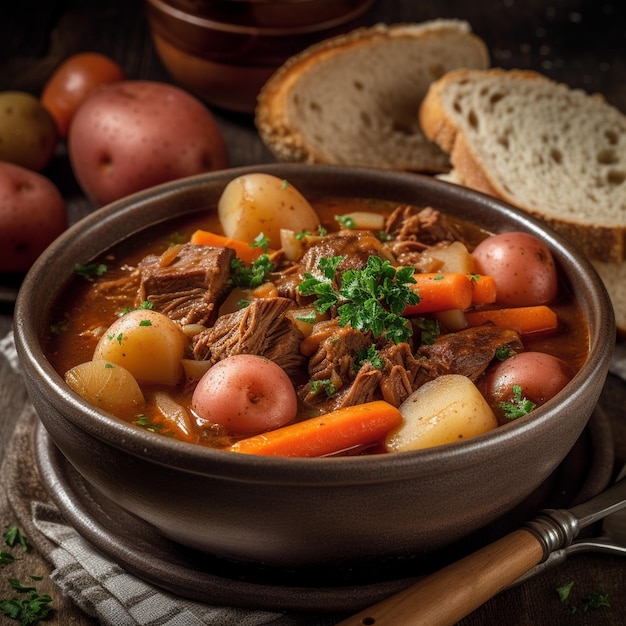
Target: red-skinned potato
(540, 376)
(71, 83)
(522, 267)
(247, 394)
(32, 215)
(28, 133)
(131, 135)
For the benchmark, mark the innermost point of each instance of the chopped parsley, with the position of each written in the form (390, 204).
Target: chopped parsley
(369, 299)
(250, 276)
(34, 606)
(323, 385)
(144, 306)
(429, 330)
(369, 355)
(346, 221)
(504, 352)
(13, 536)
(261, 241)
(90, 271)
(596, 600)
(519, 406)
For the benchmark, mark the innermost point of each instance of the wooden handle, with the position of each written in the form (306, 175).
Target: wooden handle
(445, 597)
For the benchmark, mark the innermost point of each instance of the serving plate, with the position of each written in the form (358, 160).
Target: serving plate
(141, 550)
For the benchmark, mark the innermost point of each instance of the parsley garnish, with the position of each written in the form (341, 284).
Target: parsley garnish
(6, 558)
(325, 385)
(371, 355)
(145, 305)
(248, 277)
(372, 298)
(89, 271)
(503, 353)
(13, 536)
(596, 600)
(346, 221)
(519, 406)
(145, 323)
(261, 241)
(30, 610)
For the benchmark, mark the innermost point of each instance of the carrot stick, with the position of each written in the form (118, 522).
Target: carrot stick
(339, 430)
(441, 292)
(525, 320)
(483, 289)
(244, 250)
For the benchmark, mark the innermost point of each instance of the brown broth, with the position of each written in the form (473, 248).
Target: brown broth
(80, 316)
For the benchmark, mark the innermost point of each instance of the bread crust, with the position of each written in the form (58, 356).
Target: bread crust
(284, 137)
(600, 243)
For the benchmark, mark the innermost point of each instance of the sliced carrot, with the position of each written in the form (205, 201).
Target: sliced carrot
(525, 319)
(244, 250)
(440, 292)
(483, 289)
(336, 431)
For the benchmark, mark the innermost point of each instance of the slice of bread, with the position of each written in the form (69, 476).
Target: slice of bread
(614, 277)
(555, 152)
(352, 99)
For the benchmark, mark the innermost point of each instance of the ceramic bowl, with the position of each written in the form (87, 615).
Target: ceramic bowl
(287, 512)
(224, 50)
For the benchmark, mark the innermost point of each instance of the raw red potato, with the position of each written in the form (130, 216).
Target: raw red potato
(131, 135)
(71, 83)
(246, 393)
(522, 267)
(32, 215)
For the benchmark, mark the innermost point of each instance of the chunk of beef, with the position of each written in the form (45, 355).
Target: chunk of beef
(355, 247)
(426, 226)
(469, 352)
(403, 372)
(333, 362)
(261, 328)
(187, 283)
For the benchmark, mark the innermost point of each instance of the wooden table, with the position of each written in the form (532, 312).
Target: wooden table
(581, 43)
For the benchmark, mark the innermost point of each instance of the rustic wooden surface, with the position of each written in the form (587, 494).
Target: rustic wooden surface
(582, 43)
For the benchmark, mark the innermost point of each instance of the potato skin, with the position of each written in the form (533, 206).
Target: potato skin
(32, 215)
(261, 203)
(522, 266)
(28, 132)
(131, 135)
(146, 343)
(541, 376)
(247, 394)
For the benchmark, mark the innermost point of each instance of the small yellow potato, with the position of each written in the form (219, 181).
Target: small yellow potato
(261, 203)
(148, 344)
(106, 385)
(447, 409)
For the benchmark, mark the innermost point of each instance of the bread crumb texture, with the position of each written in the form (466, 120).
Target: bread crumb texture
(556, 152)
(353, 99)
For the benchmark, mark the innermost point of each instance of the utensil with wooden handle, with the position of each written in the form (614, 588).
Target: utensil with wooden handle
(445, 597)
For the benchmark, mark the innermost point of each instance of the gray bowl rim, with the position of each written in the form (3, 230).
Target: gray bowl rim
(301, 471)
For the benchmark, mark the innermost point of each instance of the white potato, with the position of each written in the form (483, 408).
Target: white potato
(105, 385)
(261, 203)
(444, 410)
(148, 344)
(453, 257)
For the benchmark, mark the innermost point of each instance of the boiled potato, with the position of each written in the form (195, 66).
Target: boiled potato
(148, 344)
(447, 409)
(105, 385)
(261, 203)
